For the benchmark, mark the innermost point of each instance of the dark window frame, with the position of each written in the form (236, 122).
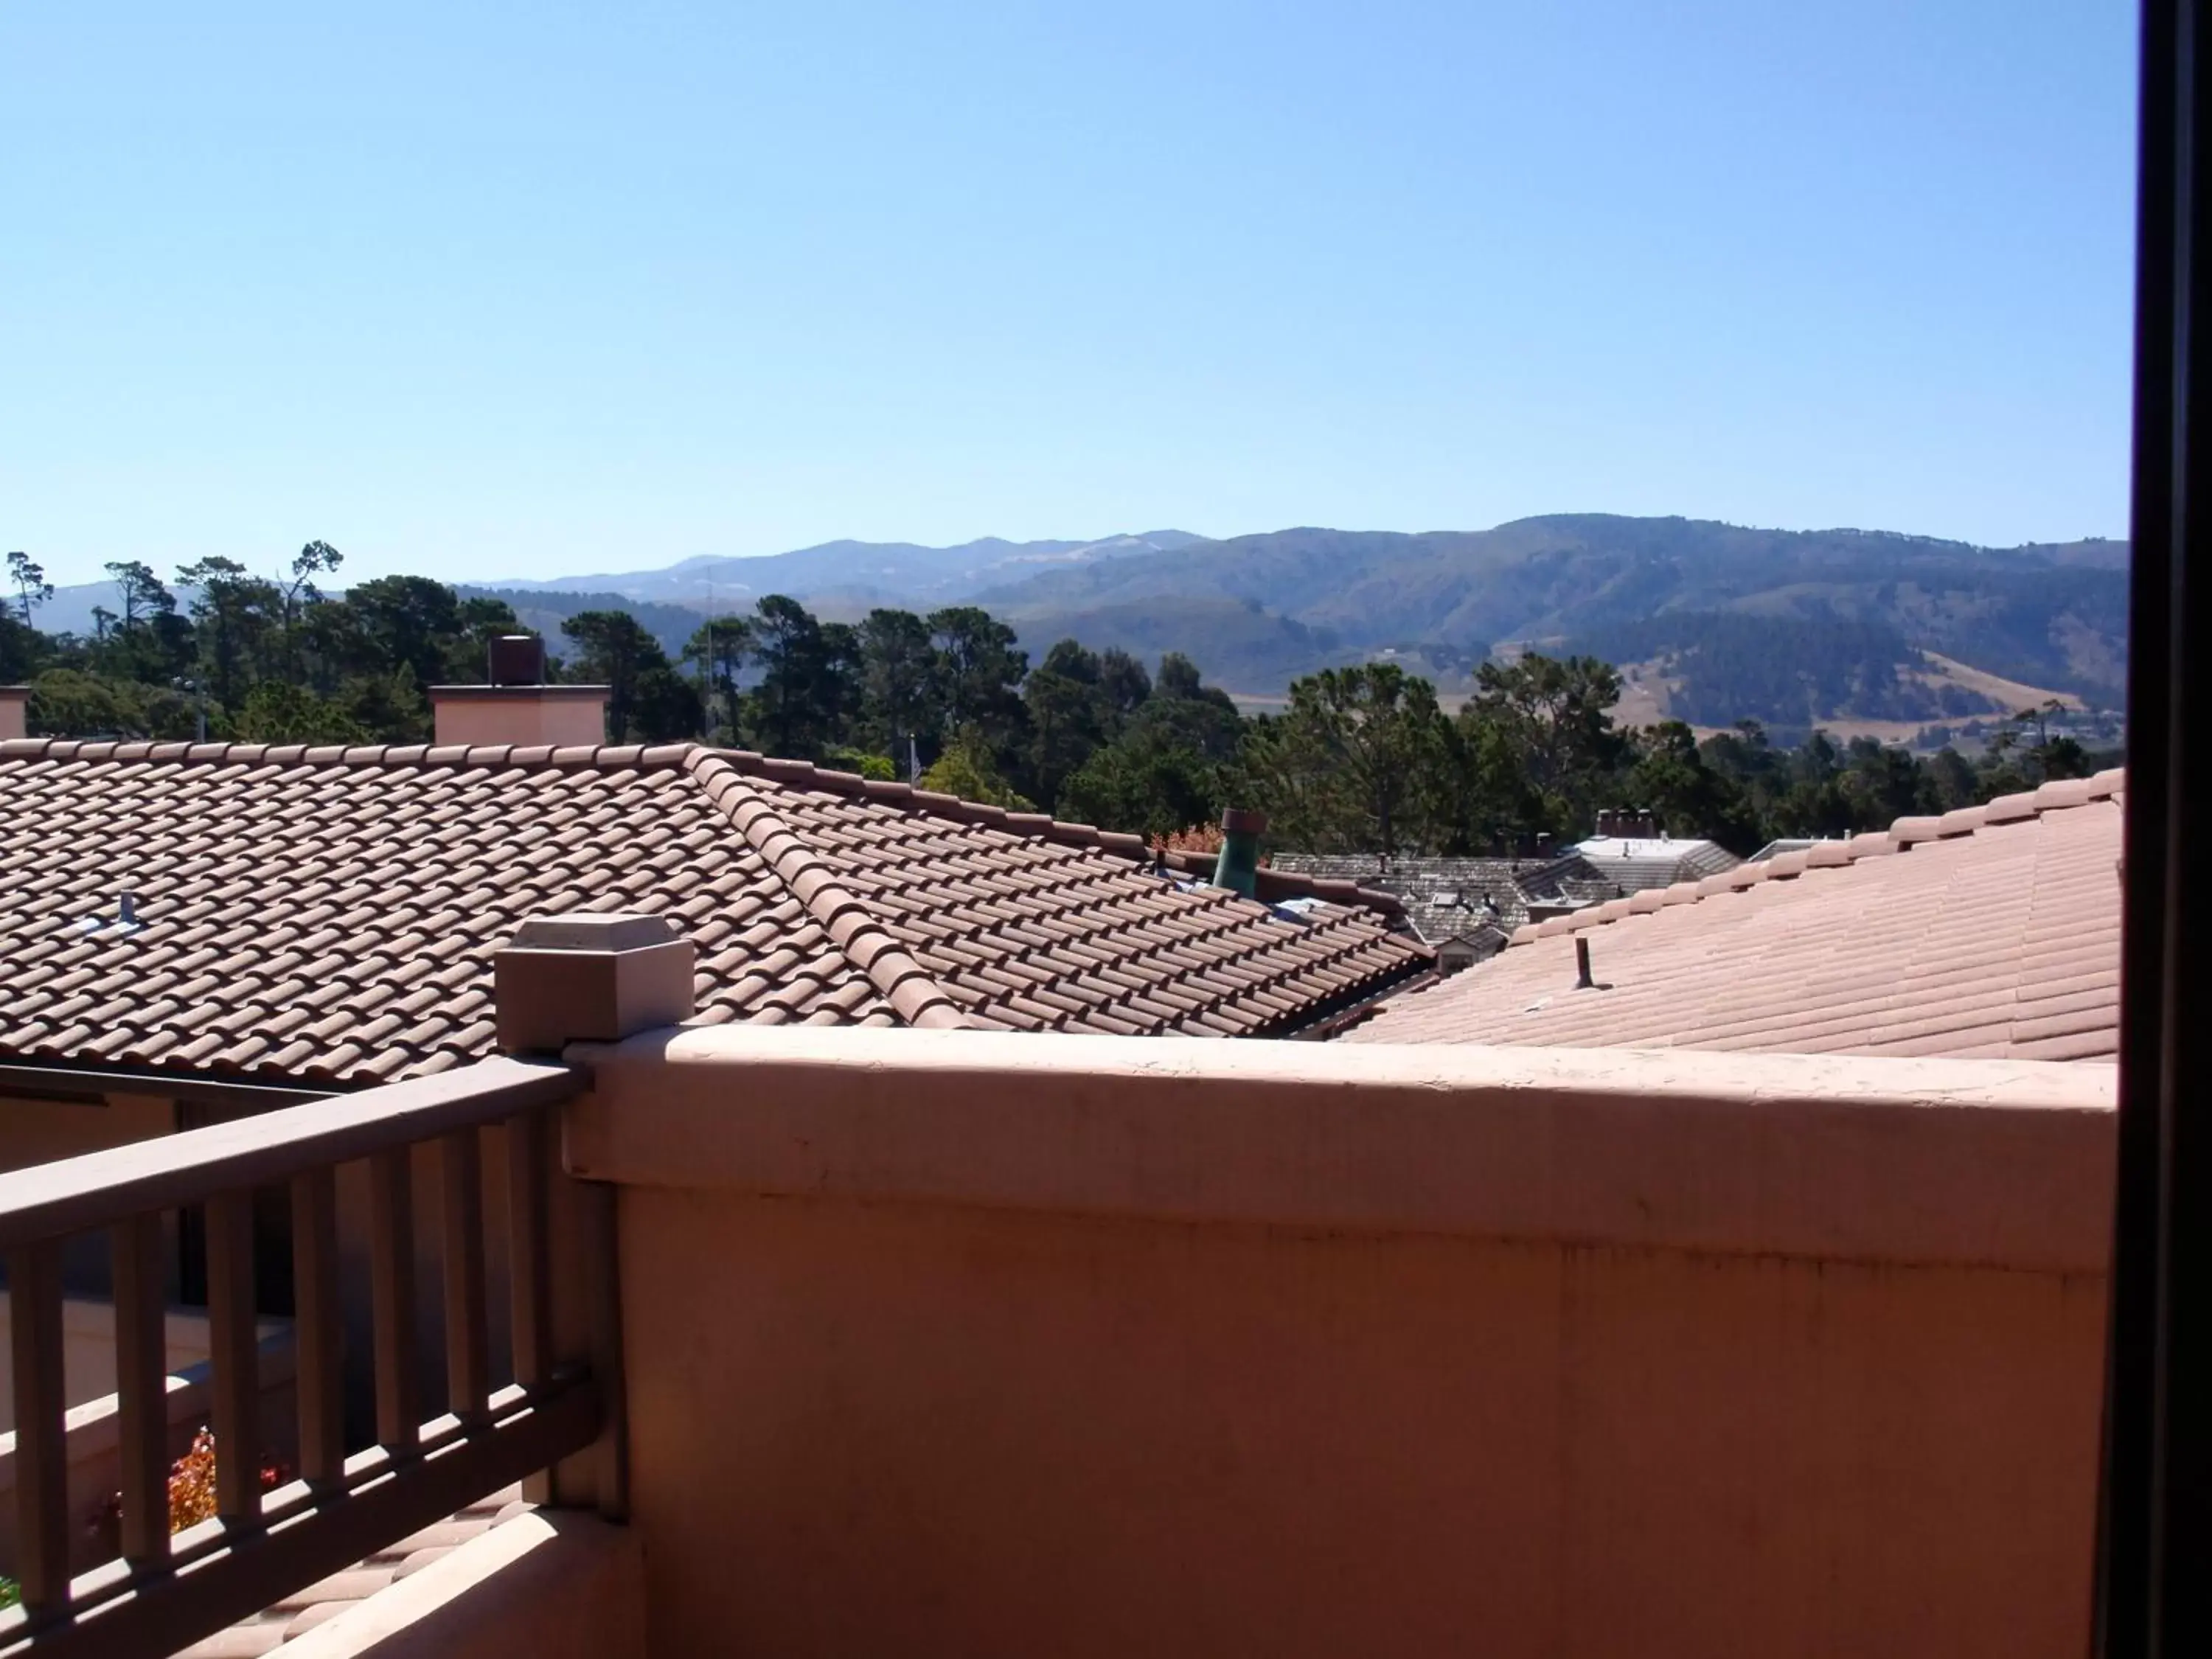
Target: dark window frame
(2155, 1520)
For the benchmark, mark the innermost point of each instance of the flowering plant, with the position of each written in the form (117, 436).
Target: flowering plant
(192, 1490)
(1199, 838)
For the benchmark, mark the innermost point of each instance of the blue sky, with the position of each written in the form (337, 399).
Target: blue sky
(534, 289)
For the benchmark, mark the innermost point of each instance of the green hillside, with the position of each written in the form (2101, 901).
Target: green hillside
(1721, 598)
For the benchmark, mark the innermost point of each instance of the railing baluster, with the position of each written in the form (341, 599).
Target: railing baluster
(316, 1324)
(468, 1366)
(34, 1305)
(235, 1356)
(168, 1592)
(142, 1369)
(527, 1278)
(392, 1296)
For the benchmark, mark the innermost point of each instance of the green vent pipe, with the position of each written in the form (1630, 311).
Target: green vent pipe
(1238, 866)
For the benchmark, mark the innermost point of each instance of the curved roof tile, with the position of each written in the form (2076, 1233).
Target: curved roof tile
(1993, 931)
(263, 878)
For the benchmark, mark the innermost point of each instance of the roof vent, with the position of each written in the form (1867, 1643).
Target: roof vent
(1238, 866)
(126, 920)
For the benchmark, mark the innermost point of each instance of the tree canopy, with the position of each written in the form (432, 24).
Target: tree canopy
(1360, 758)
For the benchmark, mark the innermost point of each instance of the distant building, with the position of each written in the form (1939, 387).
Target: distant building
(1775, 849)
(1467, 908)
(1631, 852)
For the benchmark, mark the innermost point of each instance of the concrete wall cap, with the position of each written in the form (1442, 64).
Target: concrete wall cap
(518, 693)
(1844, 1158)
(594, 930)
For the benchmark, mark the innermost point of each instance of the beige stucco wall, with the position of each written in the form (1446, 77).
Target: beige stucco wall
(41, 1131)
(948, 1344)
(88, 1350)
(36, 1131)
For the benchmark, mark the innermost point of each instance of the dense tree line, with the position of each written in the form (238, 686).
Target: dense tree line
(265, 659)
(1362, 758)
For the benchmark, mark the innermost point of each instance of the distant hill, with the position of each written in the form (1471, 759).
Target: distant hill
(841, 581)
(1723, 621)
(2046, 615)
(840, 577)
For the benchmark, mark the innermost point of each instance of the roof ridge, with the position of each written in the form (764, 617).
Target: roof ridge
(805, 775)
(1903, 834)
(655, 756)
(915, 993)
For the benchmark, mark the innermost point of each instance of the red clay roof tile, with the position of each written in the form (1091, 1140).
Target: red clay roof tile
(334, 912)
(1990, 931)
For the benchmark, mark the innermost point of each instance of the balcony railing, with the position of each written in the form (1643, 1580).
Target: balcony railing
(165, 1591)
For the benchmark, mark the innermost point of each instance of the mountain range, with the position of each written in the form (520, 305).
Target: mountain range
(855, 576)
(1719, 621)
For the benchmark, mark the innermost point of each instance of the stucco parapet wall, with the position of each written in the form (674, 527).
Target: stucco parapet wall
(2003, 1163)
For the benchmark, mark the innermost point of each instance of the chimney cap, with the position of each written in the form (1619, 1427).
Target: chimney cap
(516, 660)
(594, 930)
(1242, 821)
(564, 693)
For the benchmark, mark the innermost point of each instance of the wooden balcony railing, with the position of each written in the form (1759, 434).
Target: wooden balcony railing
(166, 1591)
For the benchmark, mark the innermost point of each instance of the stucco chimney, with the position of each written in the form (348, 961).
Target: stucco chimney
(15, 712)
(515, 705)
(1238, 866)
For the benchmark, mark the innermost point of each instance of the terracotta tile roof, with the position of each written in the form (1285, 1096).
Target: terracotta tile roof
(331, 913)
(319, 1603)
(1990, 932)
